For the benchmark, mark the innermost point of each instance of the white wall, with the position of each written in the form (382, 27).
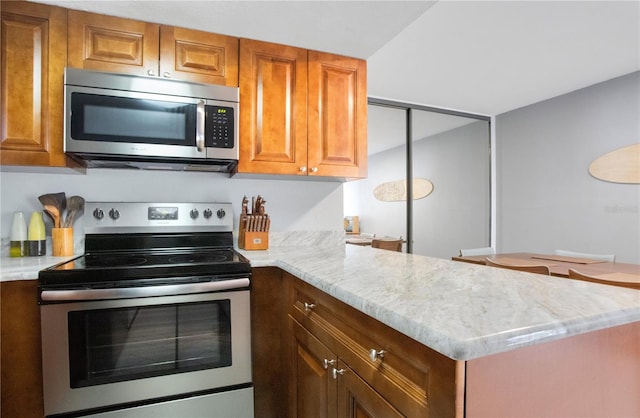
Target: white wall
(546, 197)
(293, 205)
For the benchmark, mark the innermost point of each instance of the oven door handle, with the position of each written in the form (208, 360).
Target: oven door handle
(142, 292)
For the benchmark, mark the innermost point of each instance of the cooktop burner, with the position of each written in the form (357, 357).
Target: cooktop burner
(212, 256)
(112, 261)
(197, 258)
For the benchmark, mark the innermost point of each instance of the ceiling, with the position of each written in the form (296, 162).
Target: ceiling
(484, 57)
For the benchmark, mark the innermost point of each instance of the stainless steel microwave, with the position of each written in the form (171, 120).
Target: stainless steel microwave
(125, 121)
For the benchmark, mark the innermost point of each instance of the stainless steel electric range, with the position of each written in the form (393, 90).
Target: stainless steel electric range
(153, 319)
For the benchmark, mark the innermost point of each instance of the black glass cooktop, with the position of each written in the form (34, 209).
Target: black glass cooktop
(141, 260)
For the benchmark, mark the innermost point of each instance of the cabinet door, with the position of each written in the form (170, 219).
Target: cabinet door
(113, 44)
(337, 111)
(312, 389)
(356, 399)
(198, 56)
(21, 349)
(273, 111)
(34, 51)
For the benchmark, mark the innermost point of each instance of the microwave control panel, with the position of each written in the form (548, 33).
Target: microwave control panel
(219, 126)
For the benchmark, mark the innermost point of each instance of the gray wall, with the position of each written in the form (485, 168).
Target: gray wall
(294, 205)
(455, 215)
(546, 198)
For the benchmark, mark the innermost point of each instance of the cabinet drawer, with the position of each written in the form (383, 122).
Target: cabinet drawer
(407, 372)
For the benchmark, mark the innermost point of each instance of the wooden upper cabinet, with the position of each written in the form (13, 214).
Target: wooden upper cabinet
(34, 51)
(303, 112)
(198, 56)
(114, 44)
(337, 112)
(273, 111)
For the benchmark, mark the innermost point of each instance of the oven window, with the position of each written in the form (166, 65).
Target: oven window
(114, 345)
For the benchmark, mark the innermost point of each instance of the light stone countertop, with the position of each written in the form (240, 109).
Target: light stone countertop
(461, 310)
(27, 268)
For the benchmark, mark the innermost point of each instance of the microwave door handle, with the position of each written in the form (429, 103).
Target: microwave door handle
(200, 126)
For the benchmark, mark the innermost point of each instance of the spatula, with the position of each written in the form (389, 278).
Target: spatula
(75, 208)
(54, 205)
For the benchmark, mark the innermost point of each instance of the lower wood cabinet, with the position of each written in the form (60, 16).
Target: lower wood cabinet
(322, 385)
(313, 390)
(319, 349)
(21, 360)
(376, 371)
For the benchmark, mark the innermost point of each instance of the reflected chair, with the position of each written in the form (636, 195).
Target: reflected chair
(604, 257)
(464, 252)
(538, 268)
(387, 244)
(576, 275)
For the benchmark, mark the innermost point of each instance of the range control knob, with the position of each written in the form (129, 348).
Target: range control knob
(194, 213)
(207, 213)
(98, 213)
(221, 213)
(114, 213)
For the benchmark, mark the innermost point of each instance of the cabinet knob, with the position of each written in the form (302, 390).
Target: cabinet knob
(314, 169)
(151, 73)
(326, 363)
(375, 355)
(335, 372)
(303, 169)
(309, 306)
(166, 74)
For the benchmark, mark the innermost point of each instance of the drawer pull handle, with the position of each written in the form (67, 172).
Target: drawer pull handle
(309, 306)
(326, 363)
(374, 355)
(335, 372)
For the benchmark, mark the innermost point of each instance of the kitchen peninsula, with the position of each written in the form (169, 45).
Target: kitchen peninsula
(502, 342)
(459, 339)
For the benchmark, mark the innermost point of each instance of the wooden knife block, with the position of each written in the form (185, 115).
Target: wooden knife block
(252, 240)
(255, 240)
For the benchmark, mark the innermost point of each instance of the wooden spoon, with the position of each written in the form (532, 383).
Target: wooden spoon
(75, 207)
(54, 205)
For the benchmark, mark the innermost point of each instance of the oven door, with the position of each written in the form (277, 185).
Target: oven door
(108, 353)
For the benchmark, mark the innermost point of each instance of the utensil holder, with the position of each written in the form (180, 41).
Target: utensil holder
(62, 241)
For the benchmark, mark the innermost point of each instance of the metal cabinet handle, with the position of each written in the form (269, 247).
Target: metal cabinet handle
(303, 169)
(375, 355)
(151, 73)
(335, 372)
(326, 363)
(200, 126)
(309, 306)
(166, 74)
(314, 169)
